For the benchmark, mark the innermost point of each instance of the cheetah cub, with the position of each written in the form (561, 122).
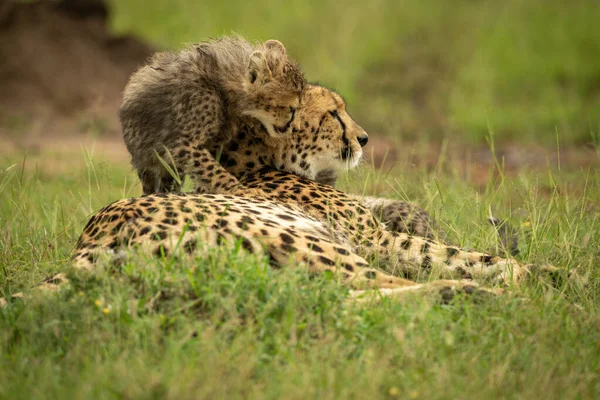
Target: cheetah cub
(182, 104)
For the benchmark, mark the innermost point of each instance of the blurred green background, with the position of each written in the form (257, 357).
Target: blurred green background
(525, 70)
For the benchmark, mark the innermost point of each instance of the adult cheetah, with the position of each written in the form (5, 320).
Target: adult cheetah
(300, 221)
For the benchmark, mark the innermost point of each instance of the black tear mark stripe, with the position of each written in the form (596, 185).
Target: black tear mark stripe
(335, 115)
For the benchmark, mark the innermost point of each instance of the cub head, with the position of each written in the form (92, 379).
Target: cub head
(322, 137)
(273, 86)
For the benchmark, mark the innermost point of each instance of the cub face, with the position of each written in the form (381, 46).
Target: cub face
(273, 88)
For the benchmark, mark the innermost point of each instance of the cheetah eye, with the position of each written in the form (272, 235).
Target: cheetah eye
(292, 109)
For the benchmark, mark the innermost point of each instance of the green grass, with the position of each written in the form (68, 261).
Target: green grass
(527, 68)
(227, 326)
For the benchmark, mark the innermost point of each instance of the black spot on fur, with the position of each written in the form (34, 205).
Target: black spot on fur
(288, 248)
(426, 264)
(286, 217)
(286, 238)
(342, 251)
(247, 245)
(451, 252)
(190, 246)
(326, 261)
(160, 251)
(370, 274)
(315, 248)
(486, 259)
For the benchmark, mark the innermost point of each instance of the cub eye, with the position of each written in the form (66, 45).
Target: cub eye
(292, 109)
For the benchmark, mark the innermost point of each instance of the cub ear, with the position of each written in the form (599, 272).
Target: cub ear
(275, 46)
(276, 55)
(258, 68)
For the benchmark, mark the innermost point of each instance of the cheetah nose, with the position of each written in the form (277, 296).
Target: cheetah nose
(362, 140)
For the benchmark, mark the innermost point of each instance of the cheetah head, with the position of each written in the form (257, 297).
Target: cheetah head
(321, 138)
(273, 88)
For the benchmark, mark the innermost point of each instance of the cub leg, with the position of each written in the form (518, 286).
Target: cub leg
(158, 181)
(200, 120)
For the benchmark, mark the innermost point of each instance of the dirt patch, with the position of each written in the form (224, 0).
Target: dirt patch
(60, 66)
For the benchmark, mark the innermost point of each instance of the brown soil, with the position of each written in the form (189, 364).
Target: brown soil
(59, 65)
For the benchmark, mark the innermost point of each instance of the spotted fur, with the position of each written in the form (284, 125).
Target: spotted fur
(162, 224)
(301, 220)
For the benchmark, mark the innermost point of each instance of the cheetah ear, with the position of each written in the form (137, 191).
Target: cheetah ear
(276, 55)
(258, 68)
